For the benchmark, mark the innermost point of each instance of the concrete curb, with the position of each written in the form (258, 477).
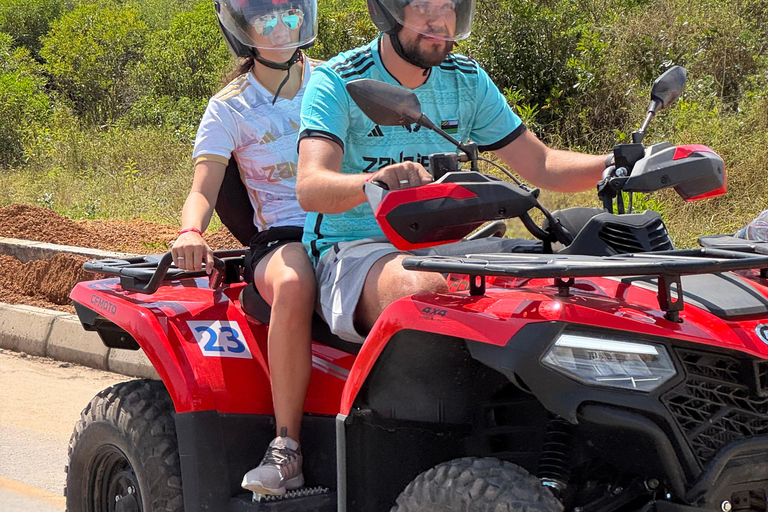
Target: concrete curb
(28, 250)
(44, 332)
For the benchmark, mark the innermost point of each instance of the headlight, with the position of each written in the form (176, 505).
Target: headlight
(611, 362)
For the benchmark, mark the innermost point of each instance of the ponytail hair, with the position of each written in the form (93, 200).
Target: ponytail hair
(244, 65)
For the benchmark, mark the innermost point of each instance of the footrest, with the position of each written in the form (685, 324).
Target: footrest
(307, 499)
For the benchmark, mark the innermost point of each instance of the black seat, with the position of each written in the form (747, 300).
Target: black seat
(256, 307)
(233, 206)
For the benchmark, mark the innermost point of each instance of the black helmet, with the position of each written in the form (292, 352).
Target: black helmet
(388, 15)
(247, 24)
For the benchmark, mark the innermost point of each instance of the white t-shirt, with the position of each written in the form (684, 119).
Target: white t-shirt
(241, 120)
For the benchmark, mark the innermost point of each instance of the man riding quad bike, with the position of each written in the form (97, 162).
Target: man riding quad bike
(615, 374)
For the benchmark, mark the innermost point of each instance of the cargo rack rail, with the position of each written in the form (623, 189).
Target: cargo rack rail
(668, 266)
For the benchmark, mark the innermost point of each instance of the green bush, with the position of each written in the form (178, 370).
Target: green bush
(28, 20)
(157, 14)
(525, 46)
(341, 28)
(89, 52)
(179, 116)
(24, 106)
(187, 60)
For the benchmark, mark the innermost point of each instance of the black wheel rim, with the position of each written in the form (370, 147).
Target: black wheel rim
(112, 482)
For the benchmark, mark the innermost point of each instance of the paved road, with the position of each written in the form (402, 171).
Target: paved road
(40, 401)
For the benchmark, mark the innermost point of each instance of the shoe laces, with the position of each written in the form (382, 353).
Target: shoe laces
(279, 456)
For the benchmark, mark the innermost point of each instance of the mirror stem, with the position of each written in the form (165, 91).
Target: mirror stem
(637, 136)
(469, 149)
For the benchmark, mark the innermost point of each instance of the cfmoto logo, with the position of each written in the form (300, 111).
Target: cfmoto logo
(762, 332)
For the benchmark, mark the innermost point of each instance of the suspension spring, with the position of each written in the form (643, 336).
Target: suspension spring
(554, 466)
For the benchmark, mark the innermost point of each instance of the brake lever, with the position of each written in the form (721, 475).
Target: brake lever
(380, 184)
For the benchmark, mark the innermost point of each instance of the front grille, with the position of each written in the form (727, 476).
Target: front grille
(718, 403)
(762, 377)
(626, 239)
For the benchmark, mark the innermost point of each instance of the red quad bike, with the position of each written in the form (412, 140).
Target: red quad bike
(616, 374)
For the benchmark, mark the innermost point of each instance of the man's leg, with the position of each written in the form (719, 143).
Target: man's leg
(386, 282)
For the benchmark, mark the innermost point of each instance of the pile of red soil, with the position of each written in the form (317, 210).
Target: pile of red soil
(47, 283)
(136, 236)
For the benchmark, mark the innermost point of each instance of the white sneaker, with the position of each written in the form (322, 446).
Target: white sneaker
(280, 469)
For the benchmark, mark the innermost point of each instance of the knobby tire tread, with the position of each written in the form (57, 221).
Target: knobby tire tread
(476, 485)
(142, 413)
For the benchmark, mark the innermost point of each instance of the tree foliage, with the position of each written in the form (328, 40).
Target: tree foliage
(89, 52)
(24, 106)
(188, 59)
(27, 20)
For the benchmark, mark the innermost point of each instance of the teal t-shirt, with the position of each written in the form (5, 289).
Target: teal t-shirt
(458, 96)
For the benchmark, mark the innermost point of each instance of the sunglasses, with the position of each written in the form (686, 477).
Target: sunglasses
(266, 23)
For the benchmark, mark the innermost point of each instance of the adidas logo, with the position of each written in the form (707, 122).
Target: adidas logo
(376, 132)
(268, 137)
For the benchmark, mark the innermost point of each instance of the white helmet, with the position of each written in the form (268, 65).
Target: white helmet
(267, 24)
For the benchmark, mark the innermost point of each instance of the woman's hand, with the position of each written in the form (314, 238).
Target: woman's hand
(190, 251)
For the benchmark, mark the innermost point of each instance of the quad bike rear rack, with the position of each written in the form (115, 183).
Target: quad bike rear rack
(144, 274)
(667, 266)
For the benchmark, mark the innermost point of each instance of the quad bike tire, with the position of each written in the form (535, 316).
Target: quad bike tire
(476, 485)
(123, 454)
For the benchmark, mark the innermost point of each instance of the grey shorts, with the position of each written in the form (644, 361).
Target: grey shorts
(342, 270)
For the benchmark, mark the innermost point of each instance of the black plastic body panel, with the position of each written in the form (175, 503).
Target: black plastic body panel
(417, 408)
(383, 456)
(741, 466)
(520, 360)
(724, 295)
(606, 234)
(426, 377)
(111, 335)
(216, 450)
(632, 442)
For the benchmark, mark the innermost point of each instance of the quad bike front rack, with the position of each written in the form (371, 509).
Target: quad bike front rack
(667, 266)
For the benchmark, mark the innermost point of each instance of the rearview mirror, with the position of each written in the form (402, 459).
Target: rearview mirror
(667, 88)
(385, 104)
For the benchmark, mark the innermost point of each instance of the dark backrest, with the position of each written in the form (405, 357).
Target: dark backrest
(233, 206)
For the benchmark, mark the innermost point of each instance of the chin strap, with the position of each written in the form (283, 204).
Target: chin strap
(283, 66)
(399, 50)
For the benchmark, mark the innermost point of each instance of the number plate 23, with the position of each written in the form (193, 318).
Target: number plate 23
(220, 339)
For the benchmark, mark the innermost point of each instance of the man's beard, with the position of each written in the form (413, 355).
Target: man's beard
(426, 58)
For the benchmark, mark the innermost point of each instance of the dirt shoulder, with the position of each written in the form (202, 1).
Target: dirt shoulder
(47, 283)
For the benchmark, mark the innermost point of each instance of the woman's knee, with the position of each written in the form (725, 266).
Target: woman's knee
(293, 285)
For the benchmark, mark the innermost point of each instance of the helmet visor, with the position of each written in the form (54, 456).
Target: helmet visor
(450, 20)
(270, 24)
